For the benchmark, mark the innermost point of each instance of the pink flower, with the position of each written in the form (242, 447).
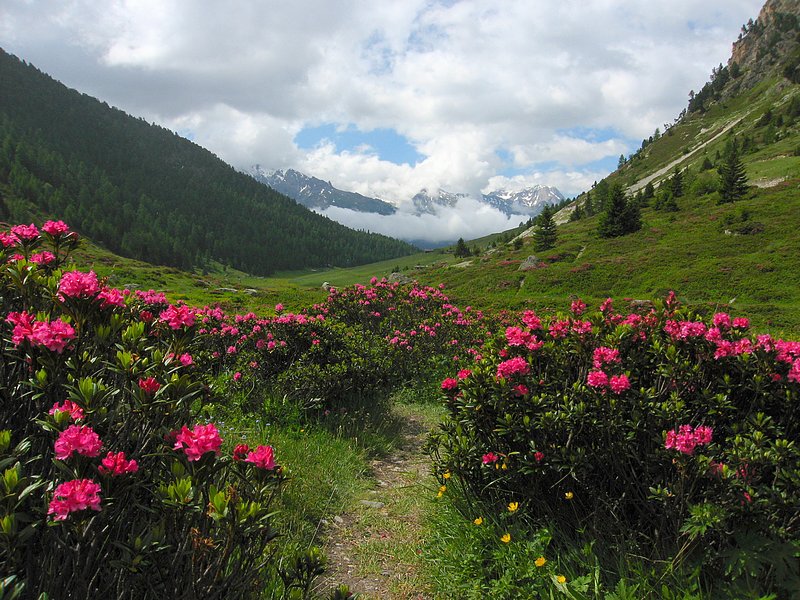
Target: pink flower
(741, 323)
(8, 240)
(279, 307)
(489, 458)
(538, 456)
(530, 319)
(111, 297)
(186, 359)
(517, 365)
(521, 390)
(72, 496)
(26, 233)
(75, 284)
(117, 464)
(577, 307)
(80, 439)
(55, 228)
(597, 379)
(42, 258)
(151, 297)
(178, 316)
(23, 326)
(237, 376)
(68, 406)
(149, 385)
(449, 384)
(685, 440)
(196, 442)
(722, 320)
(262, 457)
(619, 383)
(603, 355)
(54, 335)
(240, 451)
(464, 373)
(794, 372)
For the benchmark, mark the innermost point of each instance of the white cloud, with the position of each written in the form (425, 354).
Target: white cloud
(461, 81)
(468, 219)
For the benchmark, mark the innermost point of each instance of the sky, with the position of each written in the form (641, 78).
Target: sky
(387, 97)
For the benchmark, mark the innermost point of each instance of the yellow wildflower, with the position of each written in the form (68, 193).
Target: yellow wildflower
(478, 521)
(513, 506)
(505, 466)
(569, 495)
(443, 488)
(561, 579)
(506, 538)
(539, 562)
(446, 475)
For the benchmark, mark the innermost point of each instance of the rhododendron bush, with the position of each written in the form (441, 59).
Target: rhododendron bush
(659, 432)
(360, 343)
(114, 484)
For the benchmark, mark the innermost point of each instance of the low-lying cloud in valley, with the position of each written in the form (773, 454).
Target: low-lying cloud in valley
(469, 219)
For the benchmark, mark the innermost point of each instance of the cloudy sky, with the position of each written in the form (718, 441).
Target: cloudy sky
(386, 97)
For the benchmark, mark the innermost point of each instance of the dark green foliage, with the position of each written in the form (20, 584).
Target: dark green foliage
(577, 214)
(145, 192)
(732, 176)
(545, 235)
(588, 205)
(462, 251)
(620, 217)
(580, 429)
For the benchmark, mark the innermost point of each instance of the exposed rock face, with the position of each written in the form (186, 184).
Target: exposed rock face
(768, 41)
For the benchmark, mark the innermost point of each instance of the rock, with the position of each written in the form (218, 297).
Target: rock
(338, 520)
(251, 292)
(229, 290)
(529, 263)
(400, 278)
(373, 503)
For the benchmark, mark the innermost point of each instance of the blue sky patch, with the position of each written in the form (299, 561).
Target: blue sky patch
(386, 143)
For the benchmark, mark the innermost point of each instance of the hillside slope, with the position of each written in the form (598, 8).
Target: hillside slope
(143, 191)
(744, 255)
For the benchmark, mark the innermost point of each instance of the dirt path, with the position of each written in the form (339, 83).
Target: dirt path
(374, 548)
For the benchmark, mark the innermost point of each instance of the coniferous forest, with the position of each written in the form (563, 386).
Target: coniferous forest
(145, 192)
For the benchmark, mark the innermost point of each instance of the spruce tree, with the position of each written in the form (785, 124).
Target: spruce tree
(544, 237)
(461, 251)
(620, 216)
(732, 177)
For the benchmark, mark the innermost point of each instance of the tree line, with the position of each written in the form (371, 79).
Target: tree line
(145, 192)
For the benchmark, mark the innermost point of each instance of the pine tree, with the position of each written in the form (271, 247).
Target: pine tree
(588, 206)
(620, 216)
(732, 177)
(544, 237)
(577, 214)
(461, 251)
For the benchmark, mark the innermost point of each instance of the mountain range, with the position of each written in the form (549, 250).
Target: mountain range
(315, 193)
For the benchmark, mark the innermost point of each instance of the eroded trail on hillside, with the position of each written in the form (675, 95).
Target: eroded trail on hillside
(375, 547)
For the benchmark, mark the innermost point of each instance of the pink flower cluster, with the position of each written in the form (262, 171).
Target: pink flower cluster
(196, 442)
(517, 365)
(262, 457)
(178, 316)
(72, 496)
(149, 385)
(116, 464)
(449, 384)
(80, 439)
(68, 406)
(76, 284)
(55, 228)
(617, 383)
(686, 439)
(490, 458)
(53, 335)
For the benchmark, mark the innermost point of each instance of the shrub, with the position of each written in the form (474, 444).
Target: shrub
(658, 433)
(113, 483)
